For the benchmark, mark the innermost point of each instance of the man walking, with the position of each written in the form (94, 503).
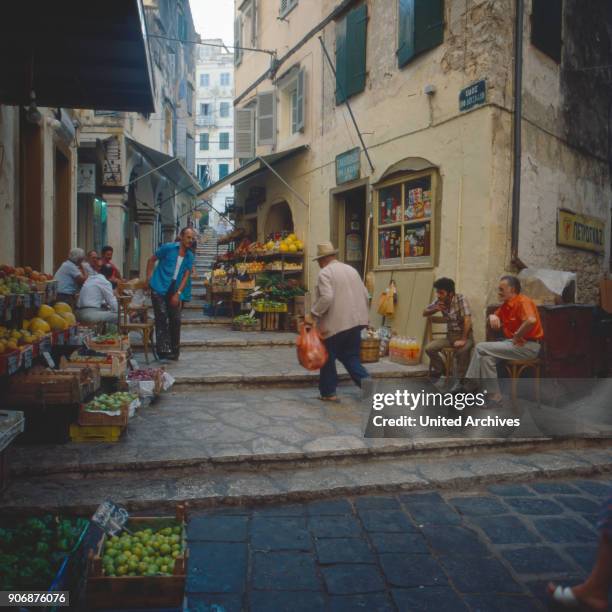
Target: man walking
(97, 302)
(519, 320)
(70, 276)
(455, 310)
(341, 310)
(167, 282)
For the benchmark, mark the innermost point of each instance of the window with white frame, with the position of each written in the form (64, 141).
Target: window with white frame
(204, 80)
(248, 10)
(224, 109)
(204, 108)
(286, 6)
(292, 95)
(224, 79)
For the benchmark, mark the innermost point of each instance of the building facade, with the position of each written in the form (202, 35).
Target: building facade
(215, 122)
(137, 170)
(425, 186)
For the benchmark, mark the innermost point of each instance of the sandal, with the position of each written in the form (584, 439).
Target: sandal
(330, 398)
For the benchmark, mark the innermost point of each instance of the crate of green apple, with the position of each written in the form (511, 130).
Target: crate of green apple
(95, 412)
(143, 567)
(32, 550)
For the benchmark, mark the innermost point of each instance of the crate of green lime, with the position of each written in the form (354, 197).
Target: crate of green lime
(142, 567)
(37, 552)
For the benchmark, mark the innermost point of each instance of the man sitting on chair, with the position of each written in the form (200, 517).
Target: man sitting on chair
(455, 310)
(519, 320)
(97, 302)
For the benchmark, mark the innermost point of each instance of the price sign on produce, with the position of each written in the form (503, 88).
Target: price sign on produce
(110, 517)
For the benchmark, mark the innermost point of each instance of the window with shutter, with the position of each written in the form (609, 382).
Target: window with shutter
(266, 118)
(244, 142)
(351, 53)
(223, 170)
(421, 27)
(224, 140)
(237, 41)
(547, 27)
(297, 103)
(204, 142)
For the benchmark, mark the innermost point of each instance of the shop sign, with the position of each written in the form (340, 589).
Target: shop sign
(472, 96)
(348, 166)
(111, 175)
(580, 231)
(86, 178)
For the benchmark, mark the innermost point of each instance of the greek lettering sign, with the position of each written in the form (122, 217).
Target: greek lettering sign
(581, 231)
(348, 166)
(472, 96)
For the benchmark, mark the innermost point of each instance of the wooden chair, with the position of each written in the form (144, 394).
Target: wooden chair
(145, 328)
(448, 352)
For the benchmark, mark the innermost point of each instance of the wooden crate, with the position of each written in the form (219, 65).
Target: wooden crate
(270, 321)
(53, 387)
(240, 295)
(99, 419)
(95, 433)
(114, 367)
(370, 350)
(116, 592)
(9, 362)
(122, 343)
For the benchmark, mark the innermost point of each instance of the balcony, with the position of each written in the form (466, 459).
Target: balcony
(206, 121)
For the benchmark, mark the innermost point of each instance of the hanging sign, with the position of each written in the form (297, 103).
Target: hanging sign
(474, 95)
(348, 166)
(580, 231)
(86, 178)
(111, 176)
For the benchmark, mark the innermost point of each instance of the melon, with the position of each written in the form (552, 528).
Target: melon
(57, 323)
(37, 324)
(69, 317)
(45, 311)
(60, 307)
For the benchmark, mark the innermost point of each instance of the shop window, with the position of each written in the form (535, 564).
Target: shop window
(547, 27)
(224, 141)
(204, 80)
(223, 170)
(351, 53)
(224, 109)
(224, 79)
(405, 221)
(421, 27)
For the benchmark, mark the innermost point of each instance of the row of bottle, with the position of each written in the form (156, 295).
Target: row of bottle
(404, 349)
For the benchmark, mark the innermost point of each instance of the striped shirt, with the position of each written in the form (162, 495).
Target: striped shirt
(454, 313)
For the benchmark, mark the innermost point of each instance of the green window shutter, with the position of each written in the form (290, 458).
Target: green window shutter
(405, 43)
(341, 62)
(356, 33)
(546, 27)
(428, 24)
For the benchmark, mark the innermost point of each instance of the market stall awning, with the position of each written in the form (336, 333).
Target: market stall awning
(171, 167)
(255, 166)
(76, 54)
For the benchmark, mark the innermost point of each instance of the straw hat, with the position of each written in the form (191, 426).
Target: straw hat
(324, 250)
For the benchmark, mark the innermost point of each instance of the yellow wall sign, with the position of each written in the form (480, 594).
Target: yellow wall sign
(581, 231)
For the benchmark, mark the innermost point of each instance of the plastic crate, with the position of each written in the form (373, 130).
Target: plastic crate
(94, 433)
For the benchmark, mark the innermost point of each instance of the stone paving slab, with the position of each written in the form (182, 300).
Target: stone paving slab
(419, 566)
(201, 488)
(261, 365)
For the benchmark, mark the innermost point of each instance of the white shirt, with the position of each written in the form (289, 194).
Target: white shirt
(66, 277)
(87, 267)
(97, 291)
(179, 261)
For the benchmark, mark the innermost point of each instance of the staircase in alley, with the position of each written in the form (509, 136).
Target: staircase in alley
(205, 257)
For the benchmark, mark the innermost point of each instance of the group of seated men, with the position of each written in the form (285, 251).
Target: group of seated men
(517, 318)
(87, 284)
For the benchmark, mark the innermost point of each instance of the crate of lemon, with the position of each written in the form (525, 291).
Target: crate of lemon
(144, 567)
(57, 320)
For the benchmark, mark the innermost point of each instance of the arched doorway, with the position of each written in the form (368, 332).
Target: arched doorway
(279, 219)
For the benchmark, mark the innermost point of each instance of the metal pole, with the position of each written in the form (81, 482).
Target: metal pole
(282, 180)
(350, 110)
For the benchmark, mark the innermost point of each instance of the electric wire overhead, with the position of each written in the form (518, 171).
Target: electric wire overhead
(203, 44)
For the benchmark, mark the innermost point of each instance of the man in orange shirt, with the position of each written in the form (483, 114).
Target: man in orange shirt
(519, 320)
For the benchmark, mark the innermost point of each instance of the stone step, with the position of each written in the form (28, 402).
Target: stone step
(203, 487)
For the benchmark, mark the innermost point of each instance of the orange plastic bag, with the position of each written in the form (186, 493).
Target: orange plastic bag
(311, 351)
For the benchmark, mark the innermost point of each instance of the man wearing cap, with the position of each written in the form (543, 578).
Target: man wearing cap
(341, 312)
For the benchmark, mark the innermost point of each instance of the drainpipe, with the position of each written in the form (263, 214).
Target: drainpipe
(518, 113)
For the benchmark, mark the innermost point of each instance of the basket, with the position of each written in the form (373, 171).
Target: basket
(148, 592)
(100, 419)
(370, 350)
(95, 433)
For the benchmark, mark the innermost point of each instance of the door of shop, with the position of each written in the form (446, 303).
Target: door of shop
(351, 226)
(62, 218)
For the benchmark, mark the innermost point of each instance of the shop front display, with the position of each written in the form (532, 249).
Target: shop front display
(405, 221)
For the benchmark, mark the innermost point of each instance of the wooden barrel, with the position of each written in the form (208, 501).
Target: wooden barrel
(370, 350)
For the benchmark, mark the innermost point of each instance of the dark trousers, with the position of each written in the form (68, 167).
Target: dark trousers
(344, 347)
(167, 323)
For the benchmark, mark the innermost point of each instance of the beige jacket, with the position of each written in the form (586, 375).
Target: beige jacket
(341, 299)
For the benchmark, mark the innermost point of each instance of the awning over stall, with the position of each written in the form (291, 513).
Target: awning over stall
(171, 167)
(76, 54)
(250, 169)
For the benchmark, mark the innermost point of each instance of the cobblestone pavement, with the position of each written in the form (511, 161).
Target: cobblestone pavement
(489, 550)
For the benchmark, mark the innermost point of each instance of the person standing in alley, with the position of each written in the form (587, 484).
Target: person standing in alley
(167, 282)
(341, 311)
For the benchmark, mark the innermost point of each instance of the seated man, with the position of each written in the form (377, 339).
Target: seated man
(70, 276)
(519, 320)
(455, 310)
(97, 302)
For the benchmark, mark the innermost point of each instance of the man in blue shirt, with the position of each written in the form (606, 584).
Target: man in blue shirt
(174, 263)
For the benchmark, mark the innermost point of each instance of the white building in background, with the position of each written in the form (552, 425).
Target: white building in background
(215, 121)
